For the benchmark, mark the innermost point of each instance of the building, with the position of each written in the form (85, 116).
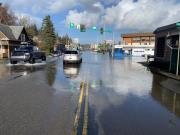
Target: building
(138, 44)
(75, 40)
(11, 37)
(110, 42)
(138, 39)
(166, 47)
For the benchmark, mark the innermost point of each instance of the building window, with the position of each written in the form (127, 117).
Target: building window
(23, 37)
(136, 39)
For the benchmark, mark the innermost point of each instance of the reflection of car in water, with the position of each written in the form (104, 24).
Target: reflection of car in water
(71, 70)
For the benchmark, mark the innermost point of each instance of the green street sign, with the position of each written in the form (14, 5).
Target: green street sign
(71, 25)
(178, 24)
(94, 28)
(78, 27)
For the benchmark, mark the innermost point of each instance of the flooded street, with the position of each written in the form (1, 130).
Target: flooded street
(125, 98)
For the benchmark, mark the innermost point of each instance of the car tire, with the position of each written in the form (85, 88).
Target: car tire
(43, 58)
(32, 61)
(13, 62)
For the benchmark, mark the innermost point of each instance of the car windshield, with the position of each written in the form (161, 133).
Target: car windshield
(27, 48)
(71, 52)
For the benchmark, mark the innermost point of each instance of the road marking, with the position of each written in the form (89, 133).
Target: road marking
(85, 123)
(81, 117)
(78, 113)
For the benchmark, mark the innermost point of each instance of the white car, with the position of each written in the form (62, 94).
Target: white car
(71, 56)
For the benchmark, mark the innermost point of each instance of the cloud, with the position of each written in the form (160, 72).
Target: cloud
(143, 14)
(58, 5)
(139, 15)
(33, 19)
(82, 18)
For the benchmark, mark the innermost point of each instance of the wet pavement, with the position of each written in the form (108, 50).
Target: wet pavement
(125, 98)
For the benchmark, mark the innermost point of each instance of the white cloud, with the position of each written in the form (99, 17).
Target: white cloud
(58, 5)
(82, 18)
(33, 19)
(143, 14)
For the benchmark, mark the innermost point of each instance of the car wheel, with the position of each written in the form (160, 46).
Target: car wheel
(32, 61)
(43, 58)
(13, 62)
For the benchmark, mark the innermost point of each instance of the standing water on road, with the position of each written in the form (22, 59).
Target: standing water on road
(125, 98)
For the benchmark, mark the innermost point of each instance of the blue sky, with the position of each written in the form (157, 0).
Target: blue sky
(121, 16)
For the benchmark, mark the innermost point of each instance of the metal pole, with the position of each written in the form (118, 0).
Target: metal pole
(177, 68)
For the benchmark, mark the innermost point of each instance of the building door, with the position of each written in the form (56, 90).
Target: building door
(160, 46)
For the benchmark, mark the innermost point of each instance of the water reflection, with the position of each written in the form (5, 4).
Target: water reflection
(167, 98)
(51, 73)
(6, 70)
(71, 70)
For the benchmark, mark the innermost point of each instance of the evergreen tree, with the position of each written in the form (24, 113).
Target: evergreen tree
(65, 40)
(48, 35)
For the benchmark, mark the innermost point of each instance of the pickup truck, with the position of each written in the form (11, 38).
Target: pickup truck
(27, 54)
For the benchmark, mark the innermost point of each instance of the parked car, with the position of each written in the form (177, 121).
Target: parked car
(27, 54)
(72, 56)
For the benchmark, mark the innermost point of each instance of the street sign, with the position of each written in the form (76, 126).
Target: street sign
(71, 25)
(178, 24)
(78, 26)
(94, 28)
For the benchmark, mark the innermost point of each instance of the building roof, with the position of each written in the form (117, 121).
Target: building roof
(130, 35)
(16, 30)
(166, 28)
(11, 32)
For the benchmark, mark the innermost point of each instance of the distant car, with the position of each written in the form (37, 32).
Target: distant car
(27, 54)
(72, 56)
(56, 53)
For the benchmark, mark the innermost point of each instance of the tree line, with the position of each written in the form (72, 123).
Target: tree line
(45, 37)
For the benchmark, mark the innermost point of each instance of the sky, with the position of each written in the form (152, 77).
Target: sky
(120, 16)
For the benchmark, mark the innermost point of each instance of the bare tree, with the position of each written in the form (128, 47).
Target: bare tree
(6, 15)
(24, 21)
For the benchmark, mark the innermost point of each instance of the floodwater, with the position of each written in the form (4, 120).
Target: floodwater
(125, 98)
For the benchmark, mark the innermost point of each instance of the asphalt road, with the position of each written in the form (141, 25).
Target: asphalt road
(125, 98)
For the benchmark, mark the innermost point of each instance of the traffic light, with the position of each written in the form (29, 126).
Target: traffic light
(71, 25)
(101, 30)
(82, 28)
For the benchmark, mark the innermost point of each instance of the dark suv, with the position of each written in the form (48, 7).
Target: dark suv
(27, 54)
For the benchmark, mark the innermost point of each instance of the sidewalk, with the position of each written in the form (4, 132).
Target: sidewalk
(166, 74)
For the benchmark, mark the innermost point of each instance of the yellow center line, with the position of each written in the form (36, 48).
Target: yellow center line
(85, 123)
(77, 116)
(81, 121)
